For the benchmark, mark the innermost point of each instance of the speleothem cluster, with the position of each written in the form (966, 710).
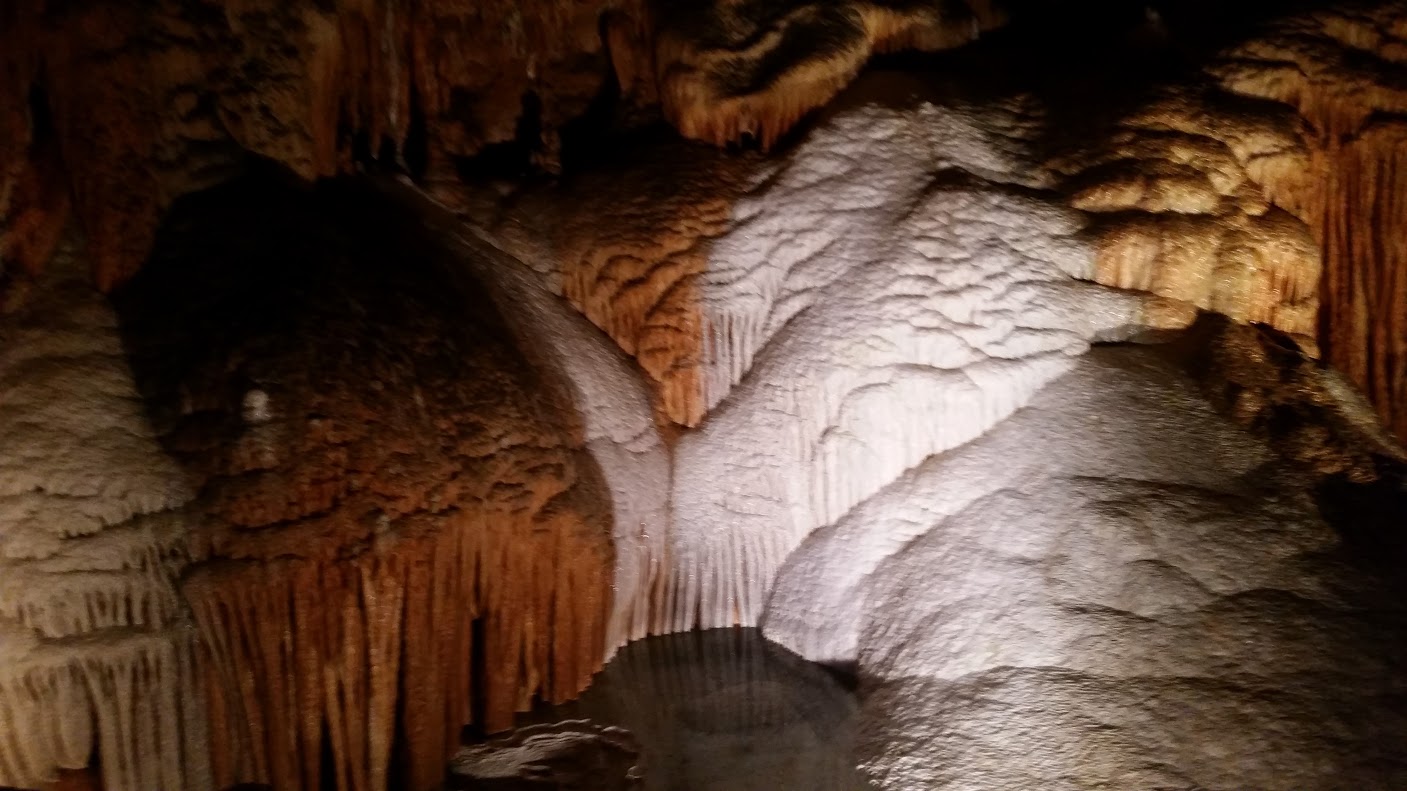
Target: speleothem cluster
(372, 369)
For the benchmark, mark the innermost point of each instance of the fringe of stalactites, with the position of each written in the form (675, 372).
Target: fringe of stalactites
(133, 698)
(362, 655)
(1250, 268)
(1351, 196)
(94, 658)
(1364, 234)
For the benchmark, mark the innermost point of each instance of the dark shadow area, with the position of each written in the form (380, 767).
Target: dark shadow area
(719, 710)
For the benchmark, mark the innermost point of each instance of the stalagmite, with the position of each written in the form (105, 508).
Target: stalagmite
(96, 652)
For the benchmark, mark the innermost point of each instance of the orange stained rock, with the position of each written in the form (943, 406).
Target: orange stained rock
(729, 72)
(1343, 72)
(625, 243)
(150, 101)
(399, 531)
(1178, 209)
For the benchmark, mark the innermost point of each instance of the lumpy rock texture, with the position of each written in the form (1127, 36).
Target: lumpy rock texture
(399, 532)
(96, 651)
(910, 273)
(1149, 601)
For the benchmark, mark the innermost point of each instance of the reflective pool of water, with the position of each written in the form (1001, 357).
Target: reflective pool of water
(722, 710)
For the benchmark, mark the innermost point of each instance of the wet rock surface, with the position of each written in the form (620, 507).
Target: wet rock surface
(719, 710)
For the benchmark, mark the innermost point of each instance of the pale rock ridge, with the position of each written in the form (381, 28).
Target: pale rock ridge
(1055, 618)
(898, 287)
(96, 651)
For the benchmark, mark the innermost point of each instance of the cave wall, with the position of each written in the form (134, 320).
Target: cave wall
(97, 655)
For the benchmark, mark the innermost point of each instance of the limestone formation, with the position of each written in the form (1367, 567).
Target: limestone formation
(832, 308)
(97, 656)
(1344, 70)
(731, 71)
(1168, 612)
(572, 754)
(399, 530)
(459, 344)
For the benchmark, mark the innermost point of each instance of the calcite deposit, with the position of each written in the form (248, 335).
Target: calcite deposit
(373, 369)
(399, 530)
(97, 653)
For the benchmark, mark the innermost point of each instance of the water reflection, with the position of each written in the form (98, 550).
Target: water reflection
(724, 710)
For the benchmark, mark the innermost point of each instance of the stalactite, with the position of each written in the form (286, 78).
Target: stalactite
(1343, 73)
(96, 656)
(380, 651)
(402, 532)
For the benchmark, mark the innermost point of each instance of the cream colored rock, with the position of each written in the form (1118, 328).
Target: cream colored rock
(96, 650)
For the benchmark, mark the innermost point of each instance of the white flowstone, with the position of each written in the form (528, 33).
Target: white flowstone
(895, 289)
(1114, 588)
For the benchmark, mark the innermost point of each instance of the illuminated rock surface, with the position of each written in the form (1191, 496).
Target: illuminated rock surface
(572, 754)
(1093, 613)
(459, 344)
(96, 654)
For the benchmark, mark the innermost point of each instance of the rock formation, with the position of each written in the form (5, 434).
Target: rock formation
(399, 531)
(572, 754)
(699, 704)
(1092, 613)
(97, 656)
(1343, 70)
(457, 345)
